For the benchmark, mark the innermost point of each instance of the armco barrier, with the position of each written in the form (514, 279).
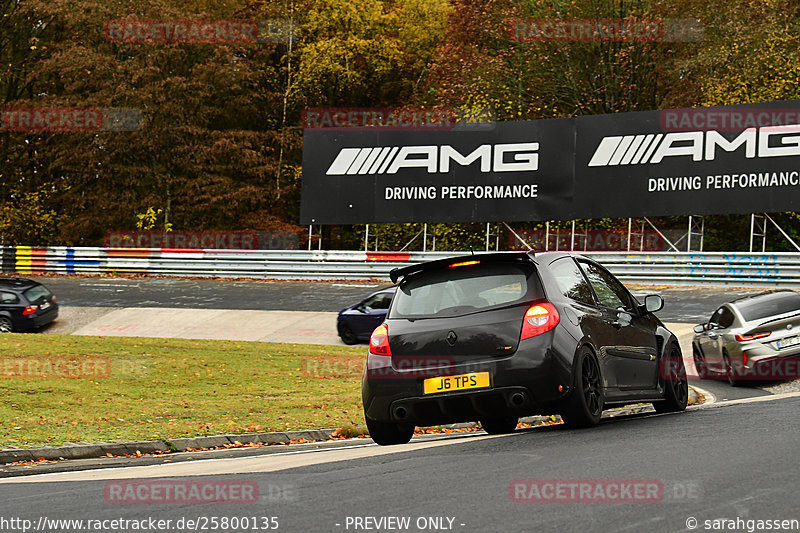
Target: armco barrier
(714, 268)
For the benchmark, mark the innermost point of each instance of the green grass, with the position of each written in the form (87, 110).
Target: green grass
(169, 388)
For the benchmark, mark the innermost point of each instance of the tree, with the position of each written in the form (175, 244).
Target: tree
(490, 58)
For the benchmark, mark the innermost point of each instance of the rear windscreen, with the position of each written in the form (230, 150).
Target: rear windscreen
(36, 292)
(774, 304)
(461, 290)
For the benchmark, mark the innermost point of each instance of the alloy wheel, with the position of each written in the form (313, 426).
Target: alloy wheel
(591, 384)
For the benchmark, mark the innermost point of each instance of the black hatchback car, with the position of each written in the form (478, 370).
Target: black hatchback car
(25, 305)
(494, 337)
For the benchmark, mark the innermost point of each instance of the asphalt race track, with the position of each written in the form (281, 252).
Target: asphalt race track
(207, 293)
(682, 304)
(729, 461)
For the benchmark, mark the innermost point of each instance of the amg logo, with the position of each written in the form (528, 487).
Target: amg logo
(436, 159)
(700, 145)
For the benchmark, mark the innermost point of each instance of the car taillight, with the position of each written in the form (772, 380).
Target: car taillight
(379, 341)
(539, 318)
(465, 263)
(30, 309)
(54, 299)
(745, 338)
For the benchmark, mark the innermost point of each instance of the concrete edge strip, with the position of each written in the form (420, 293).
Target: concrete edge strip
(709, 396)
(91, 451)
(756, 399)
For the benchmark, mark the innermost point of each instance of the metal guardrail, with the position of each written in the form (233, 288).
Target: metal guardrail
(713, 268)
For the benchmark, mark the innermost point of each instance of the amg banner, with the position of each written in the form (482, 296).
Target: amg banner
(732, 159)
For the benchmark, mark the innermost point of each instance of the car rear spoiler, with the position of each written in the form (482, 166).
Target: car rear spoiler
(397, 274)
(785, 316)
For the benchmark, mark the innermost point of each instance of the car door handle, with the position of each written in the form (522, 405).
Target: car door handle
(712, 335)
(617, 324)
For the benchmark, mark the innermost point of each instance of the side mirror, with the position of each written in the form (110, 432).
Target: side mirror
(653, 303)
(699, 328)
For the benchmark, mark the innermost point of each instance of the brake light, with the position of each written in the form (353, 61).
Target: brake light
(745, 338)
(539, 318)
(465, 263)
(54, 299)
(379, 341)
(30, 309)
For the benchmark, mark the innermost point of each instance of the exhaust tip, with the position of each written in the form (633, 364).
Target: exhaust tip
(400, 413)
(517, 399)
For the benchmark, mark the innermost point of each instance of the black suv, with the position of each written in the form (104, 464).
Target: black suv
(493, 337)
(25, 305)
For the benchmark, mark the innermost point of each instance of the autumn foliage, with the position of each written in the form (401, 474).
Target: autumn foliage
(219, 142)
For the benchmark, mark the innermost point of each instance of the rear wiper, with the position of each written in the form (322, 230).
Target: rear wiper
(455, 310)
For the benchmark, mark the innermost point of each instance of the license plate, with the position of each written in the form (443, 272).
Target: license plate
(45, 306)
(474, 380)
(788, 341)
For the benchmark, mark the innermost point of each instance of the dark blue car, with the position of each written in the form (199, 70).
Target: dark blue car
(356, 323)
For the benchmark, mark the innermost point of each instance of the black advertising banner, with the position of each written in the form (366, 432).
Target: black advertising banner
(732, 159)
(702, 161)
(486, 172)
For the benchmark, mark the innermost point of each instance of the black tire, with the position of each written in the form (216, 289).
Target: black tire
(499, 426)
(676, 387)
(700, 364)
(584, 405)
(6, 326)
(347, 335)
(730, 372)
(388, 433)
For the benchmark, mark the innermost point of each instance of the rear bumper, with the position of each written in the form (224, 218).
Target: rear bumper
(462, 407)
(46, 317)
(785, 366)
(758, 362)
(522, 384)
(36, 321)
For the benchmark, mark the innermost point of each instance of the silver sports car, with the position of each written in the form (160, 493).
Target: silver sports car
(752, 338)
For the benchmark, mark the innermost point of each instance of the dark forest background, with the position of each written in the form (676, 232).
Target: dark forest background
(220, 142)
